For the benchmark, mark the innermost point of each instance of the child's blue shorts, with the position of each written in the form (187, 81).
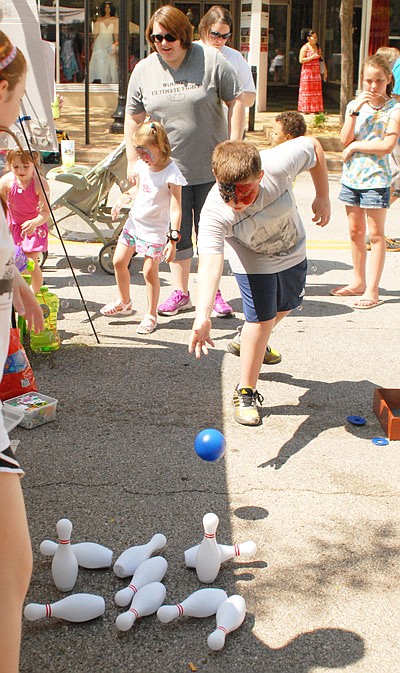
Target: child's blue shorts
(264, 295)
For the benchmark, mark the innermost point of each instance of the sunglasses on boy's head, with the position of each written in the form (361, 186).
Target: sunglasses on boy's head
(216, 35)
(157, 37)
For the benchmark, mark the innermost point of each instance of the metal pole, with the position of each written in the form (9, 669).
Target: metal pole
(123, 55)
(252, 109)
(87, 51)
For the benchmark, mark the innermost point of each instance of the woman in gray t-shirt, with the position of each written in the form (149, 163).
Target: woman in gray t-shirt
(184, 86)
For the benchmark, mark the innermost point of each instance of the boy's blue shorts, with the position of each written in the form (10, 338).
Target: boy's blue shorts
(265, 295)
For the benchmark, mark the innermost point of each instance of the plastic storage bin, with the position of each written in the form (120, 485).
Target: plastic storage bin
(12, 416)
(38, 409)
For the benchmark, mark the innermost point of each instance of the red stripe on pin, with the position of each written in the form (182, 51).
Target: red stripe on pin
(180, 609)
(135, 612)
(64, 541)
(48, 610)
(209, 535)
(222, 628)
(132, 586)
(237, 550)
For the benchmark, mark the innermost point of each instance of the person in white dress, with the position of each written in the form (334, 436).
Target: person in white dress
(103, 63)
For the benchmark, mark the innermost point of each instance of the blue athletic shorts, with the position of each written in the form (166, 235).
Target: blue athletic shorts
(365, 198)
(265, 295)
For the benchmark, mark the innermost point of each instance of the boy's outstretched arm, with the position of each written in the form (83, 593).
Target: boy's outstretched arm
(321, 205)
(208, 277)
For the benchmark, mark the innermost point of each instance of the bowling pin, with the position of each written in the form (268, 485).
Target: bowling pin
(88, 554)
(64, 566)
(131, 558)
(201, 603)
(208, 558)
(230, 615)
(75, 608)
(145, 602)
(151, 570)
(226, 552)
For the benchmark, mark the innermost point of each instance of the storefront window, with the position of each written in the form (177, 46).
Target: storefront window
(62, 23)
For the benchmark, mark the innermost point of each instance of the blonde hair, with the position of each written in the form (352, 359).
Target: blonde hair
(390, 53)
(12, 72)
(234, 161)
(153, 133)
(25, 156)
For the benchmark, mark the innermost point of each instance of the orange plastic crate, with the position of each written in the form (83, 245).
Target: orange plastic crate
(386, 405)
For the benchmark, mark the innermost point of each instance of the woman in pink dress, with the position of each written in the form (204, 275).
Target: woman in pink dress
(310, 88)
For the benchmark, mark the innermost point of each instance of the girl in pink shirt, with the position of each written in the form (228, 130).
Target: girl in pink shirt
(27, 209)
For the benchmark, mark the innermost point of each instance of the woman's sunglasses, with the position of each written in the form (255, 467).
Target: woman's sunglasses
(159, 38)
(216, 35)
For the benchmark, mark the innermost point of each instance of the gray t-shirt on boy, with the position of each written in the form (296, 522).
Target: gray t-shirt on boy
(189, 103)
(268, 236)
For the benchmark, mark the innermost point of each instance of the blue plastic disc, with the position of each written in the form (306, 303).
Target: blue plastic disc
(380, 441)
(356, 420)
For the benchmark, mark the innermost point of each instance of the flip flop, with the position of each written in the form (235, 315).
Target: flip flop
(371, 304)
(344, 292)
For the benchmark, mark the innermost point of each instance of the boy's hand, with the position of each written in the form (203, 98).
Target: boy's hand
(169, 252)
(200, 337)
(321, 208)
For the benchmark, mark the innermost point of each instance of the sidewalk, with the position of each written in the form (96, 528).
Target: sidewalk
(102, 141)
(319, 498)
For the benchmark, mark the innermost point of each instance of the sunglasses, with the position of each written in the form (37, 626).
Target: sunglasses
(159, 38)
(215, 35)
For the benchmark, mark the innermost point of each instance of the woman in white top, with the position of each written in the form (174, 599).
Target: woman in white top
(215, 30)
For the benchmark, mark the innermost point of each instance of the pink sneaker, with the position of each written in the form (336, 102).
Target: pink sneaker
(176, 302)
(221, 309)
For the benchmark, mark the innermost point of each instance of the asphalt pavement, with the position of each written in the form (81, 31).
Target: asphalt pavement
(319, 498)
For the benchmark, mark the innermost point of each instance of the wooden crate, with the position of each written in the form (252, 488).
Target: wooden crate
(386, 405)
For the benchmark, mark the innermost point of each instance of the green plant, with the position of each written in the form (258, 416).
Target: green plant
(320, 118)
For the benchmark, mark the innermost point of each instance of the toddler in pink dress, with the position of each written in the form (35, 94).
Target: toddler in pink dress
(27, 209)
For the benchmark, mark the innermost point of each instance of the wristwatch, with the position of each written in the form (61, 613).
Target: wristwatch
(353, 113)
(174, 236)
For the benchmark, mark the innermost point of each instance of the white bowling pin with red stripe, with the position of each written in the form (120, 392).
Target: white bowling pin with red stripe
(151, 570)
(75, 608)
(201, 603)
(230, 615)
(208, 559)
(64, 566)
(89, 554)
(145, 602)
(226, 552)
(131, 558)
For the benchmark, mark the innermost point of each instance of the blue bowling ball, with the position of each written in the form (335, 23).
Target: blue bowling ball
(210, 444)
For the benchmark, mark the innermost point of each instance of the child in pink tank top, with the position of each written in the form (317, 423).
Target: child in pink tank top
(27, 209)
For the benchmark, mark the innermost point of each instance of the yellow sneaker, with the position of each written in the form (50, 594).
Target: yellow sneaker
(271, 357)
(245, 405)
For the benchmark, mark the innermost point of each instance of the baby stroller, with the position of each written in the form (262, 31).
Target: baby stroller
(87, 197)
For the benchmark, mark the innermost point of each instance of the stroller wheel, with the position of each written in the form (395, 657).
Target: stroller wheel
(106, 256)
(42, 258)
